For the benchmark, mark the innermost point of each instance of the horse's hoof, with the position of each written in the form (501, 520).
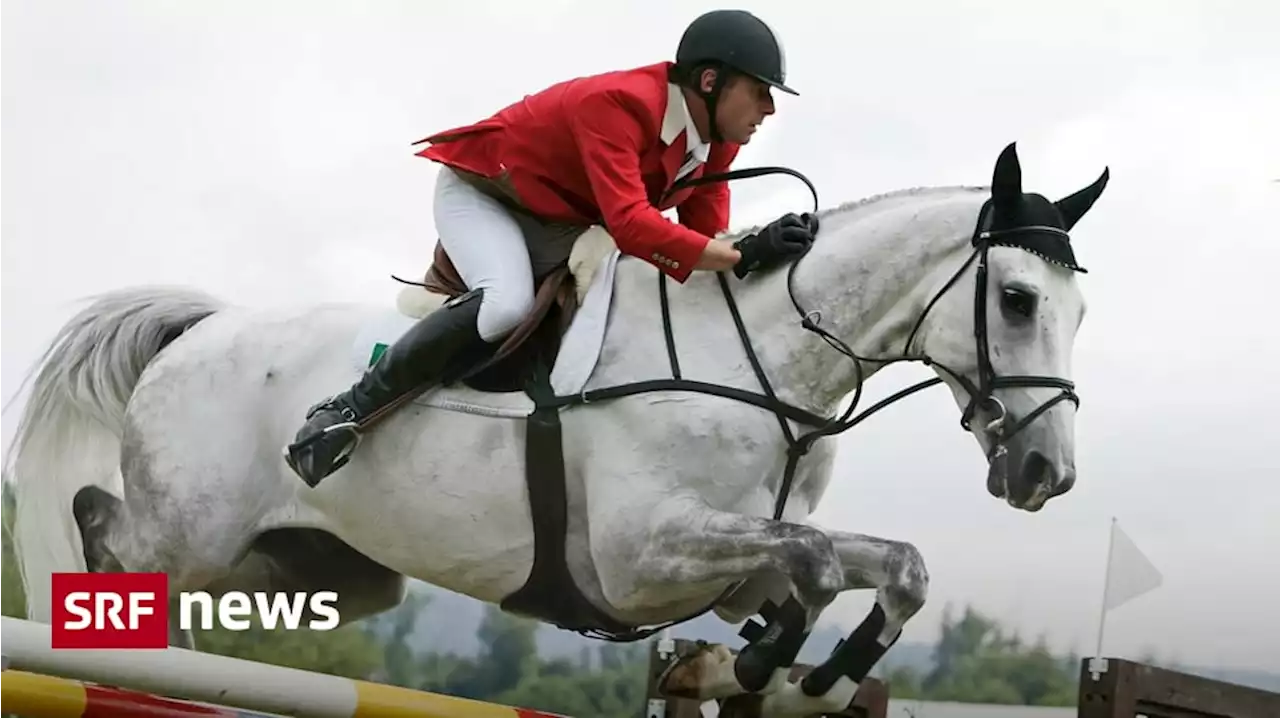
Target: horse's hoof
(94, 510)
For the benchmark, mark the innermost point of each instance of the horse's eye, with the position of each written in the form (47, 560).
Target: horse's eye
(1019, 302)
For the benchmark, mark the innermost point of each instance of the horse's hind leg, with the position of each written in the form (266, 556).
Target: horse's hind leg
(99, 517)
(116, 538)
(898, 573)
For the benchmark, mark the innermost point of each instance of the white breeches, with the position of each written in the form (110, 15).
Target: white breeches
(487, 247)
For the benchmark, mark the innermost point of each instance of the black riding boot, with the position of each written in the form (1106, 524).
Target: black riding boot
(438, 346)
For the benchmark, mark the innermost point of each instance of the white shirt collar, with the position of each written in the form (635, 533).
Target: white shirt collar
(678, 119)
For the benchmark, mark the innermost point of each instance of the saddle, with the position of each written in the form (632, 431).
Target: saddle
(534, 342)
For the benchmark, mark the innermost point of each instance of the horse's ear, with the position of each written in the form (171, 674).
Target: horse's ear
(1006, 183)
(1074, 206)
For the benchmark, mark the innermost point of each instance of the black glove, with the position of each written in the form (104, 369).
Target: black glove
(787, 237)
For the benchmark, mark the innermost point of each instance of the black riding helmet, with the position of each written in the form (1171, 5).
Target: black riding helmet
(735, 40)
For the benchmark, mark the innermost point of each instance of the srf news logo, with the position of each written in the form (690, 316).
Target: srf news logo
(131, 610)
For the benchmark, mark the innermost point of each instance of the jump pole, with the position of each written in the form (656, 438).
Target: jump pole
(224, 681)
(35, 696)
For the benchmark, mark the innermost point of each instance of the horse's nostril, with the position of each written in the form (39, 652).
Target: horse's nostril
(1037, 470)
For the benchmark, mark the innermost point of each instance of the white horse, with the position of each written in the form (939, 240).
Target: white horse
(172, 408)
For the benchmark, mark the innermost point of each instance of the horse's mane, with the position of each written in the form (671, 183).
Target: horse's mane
(857, 204)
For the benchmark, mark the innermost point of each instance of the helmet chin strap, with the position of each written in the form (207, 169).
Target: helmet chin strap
(711, 98)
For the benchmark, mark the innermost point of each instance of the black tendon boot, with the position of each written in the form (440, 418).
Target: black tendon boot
(437, 346)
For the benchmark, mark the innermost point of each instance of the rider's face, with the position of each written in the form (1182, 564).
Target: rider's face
(743, 105)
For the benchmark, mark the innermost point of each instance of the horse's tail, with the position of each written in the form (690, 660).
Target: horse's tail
(70, 431)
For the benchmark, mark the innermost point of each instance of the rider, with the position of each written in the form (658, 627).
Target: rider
(517, 188)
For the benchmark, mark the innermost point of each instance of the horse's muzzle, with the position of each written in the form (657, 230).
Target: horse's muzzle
(1026, 480)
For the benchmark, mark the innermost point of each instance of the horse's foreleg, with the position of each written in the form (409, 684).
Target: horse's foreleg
(709, 546)
(898, 573)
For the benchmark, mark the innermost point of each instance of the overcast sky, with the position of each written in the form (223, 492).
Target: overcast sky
(260, 150)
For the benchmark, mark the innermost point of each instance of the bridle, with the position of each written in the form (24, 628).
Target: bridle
(988, 381)
(983, 392)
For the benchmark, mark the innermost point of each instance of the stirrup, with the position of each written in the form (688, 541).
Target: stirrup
(349, 426)
(291, 451)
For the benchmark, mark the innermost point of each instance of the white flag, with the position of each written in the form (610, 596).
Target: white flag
(1129, 573)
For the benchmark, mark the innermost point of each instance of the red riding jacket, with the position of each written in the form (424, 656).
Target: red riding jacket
(602, 150)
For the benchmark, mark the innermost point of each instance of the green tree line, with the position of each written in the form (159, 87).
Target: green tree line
(975, 660)
(978, 661)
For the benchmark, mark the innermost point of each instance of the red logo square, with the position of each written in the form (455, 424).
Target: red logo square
(110, 610)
